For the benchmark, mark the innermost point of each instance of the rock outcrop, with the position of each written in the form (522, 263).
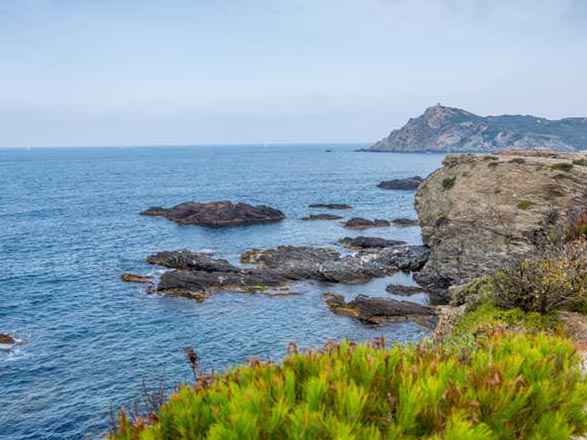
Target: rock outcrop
(222, 213)
(478, 213)
(403, 222)
(447, 129)
(375, 310)
(398, 289)
(330, 206)
(6, 339)
(363, 223)
(196, 275)
(409, 183)
(321, 217)
(362, 242)
(132, 278)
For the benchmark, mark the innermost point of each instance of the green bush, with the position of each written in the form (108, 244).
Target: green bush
(493, 158)
(525, 204)
(562, 166)
(556, 277)
(449, 182)
(506, 386)
(580, 162)
(518, 160)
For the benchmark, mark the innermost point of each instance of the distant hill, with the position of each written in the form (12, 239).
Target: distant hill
(451, 129)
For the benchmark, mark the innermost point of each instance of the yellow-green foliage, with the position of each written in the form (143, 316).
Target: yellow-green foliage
(449, 182)
(580, 162)
(507, 385)
(562, 166)
(525, 204)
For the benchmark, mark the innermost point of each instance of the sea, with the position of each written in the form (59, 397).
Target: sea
(70, 225)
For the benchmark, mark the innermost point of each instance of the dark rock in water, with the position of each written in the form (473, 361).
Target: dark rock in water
(404, 290)
(7, 339)
(189, 260)
(362, 242)
(405, 222)
(409, 183)
(199, 284)
(375, 310)
(330, 206)
(321, 217)
(363, 223)
(132, 278)
(198, 274)
(223, 213)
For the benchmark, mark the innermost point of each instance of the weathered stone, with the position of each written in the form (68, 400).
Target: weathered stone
(330, 206)
(223, 213)
(403, 290)
(409, 183)
(186, 259)
(472, 218)
(375, 310)
(321, 217)
(362, 242)
(132, 278)
(402, 222)
(363, 223)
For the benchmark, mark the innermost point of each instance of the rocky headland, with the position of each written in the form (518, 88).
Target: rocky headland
(448, 129)
(221, 213)
(478, 213)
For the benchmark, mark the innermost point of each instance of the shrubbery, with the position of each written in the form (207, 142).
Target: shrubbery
(504, 386)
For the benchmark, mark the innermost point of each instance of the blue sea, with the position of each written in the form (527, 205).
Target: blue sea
(69, 226)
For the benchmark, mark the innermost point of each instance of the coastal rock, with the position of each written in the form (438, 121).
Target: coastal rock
(7, 339)
(132, 278)
(321, 217)
(223, 213)
(402, 222)
(447, 129)
(198, 274)
(330, 206)
(478, 213)
(186, 259)
(398, 289)
(375, 310)
(362, 242)
(363, 223)
(409, 183)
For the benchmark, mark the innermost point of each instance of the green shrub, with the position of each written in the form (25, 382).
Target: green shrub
(525, 204)
(471, 294)
(580, 162)
(506, 386)
(449, 182)
(490, 158)
(518, 160)
(555, 278)
(441, 220)
(562, 166)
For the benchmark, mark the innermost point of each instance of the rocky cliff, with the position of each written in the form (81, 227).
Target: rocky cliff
(479, 212)
(454, 130)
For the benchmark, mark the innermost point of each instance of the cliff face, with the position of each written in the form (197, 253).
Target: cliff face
(454, 130)
(479, 212)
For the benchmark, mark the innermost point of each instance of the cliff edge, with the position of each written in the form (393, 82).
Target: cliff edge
(478, 212)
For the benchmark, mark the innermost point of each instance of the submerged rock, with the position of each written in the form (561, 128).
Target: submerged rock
(330, 206)
(398, 289)
(409, 183)
(198, 273)
(321, 217)
(362, 242)
(376, 310)
(7, 339)
(363, 223)
(222, 213)
(478, 213)
(132, 278)
(405, 222)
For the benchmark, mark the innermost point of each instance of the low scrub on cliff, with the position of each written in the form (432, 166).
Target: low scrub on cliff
(554, 279)
(505, 386)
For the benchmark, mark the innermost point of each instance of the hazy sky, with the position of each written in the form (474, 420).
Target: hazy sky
(132, 72)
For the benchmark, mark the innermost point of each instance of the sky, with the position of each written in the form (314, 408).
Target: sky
(162, 72)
